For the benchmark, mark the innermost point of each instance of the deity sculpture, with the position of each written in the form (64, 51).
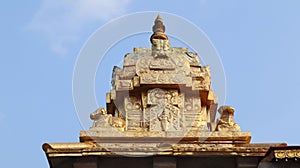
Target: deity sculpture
(162, 89)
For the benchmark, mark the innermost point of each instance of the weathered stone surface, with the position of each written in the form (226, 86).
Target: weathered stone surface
(161, 108)
(226, 122)
(103, 121)
(163, 90)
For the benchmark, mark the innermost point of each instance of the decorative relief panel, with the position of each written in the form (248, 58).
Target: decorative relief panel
(124, 85)
(192, 104)
(160, 78)
(130, 59)
(143, 107)
(161, 96)
(132, 103)
(169, 117)
(160, 47)
(115, 75)
(162, 112)
(200, 84)
(159, 44)
(195, 116)
(193, 58)
(182, 65)
(162, 64)
(133, 108)
(196, 72)
(142, 65)
(174, 64)
(287, 154)
(127, 73)
(163, 117)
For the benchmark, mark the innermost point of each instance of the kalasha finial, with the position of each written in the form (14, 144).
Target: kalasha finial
(158, 29)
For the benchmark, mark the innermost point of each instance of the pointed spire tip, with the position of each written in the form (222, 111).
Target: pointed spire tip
(158, 29)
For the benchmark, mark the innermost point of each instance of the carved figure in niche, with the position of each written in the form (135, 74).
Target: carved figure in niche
(163, 112)
(104, 120)
(226, 122)
(162, 117)
(165, 119)
(172, 114)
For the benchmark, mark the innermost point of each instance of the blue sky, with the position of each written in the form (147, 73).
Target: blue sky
(258, 43)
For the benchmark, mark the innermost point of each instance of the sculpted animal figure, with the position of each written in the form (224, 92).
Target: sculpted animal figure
(226, 122)
(104, 120)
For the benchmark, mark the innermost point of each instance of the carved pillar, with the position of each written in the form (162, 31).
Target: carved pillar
(133, 109)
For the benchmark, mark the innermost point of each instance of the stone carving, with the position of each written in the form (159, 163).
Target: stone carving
(163, 112)
(136, 81)
(142, 65)
(116, 71)
(124, 85)
(161, 96)
(192, 104)
(134, 113)
(201, 78)
(132, 103)
(118, 123)
(287, 154)
(193, 58)
(167, 65)
(182, 65)
(127, 73)
(156, 96)
(160, 48)
(101, 119)
(196, 71)
(162, 89)
(162, 64)
(195, 116)
(169, 116)
(159, 40)
(226, 122)
(161, 78)
(151, 115)
(163, 117)
(200, 84)
(202, 122)
(104, 120)
(130, 59)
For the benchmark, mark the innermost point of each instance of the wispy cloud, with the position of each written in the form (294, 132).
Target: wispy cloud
(60, 21)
